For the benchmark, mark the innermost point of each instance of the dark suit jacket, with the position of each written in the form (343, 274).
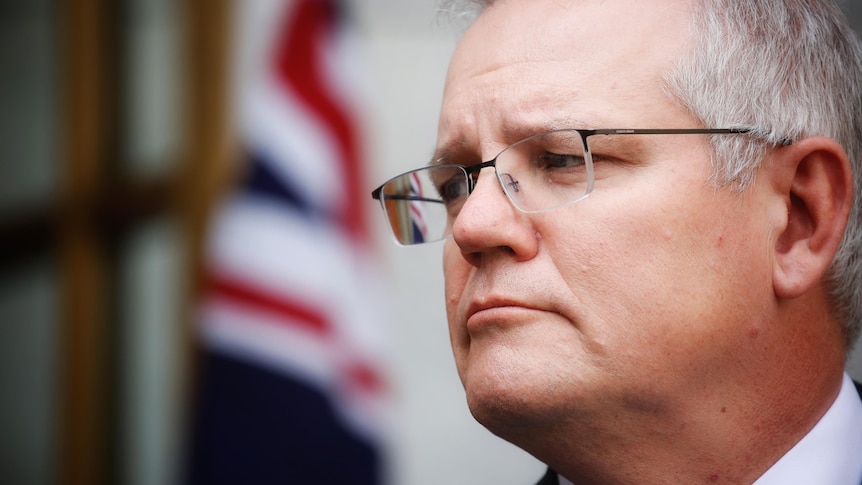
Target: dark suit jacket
(550, 477)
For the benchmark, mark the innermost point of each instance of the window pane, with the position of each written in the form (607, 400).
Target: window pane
(153, 78)
(152, 341)
(28, 344)
(28, 130)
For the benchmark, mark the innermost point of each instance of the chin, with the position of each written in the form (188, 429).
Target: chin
(509, 402)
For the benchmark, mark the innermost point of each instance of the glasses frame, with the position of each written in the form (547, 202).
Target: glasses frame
(469, 170)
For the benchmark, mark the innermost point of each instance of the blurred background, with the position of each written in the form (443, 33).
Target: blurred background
(174, 224)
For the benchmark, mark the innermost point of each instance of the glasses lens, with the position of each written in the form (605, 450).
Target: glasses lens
(418, 204)
(539, 173)
(546, 171)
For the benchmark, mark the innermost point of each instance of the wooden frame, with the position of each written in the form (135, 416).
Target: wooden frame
(84, 227)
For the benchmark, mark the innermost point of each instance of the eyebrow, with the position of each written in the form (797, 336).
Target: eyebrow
(448, 152)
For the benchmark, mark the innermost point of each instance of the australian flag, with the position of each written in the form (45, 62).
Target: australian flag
(291, 388)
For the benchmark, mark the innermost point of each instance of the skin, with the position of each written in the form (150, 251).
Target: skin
(662, 330)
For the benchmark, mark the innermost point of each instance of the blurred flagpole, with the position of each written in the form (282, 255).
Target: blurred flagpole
(292, 388)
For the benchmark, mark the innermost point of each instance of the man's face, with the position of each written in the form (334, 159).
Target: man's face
(631, 301)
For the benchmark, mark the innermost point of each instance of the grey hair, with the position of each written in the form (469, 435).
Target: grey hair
(790, 68)
(462, 12)
(465, 7)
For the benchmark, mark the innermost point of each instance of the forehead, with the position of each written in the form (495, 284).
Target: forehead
(530, 65)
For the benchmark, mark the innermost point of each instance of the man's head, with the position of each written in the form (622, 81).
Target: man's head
(678, 304)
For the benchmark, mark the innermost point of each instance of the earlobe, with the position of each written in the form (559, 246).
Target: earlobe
(813, 177)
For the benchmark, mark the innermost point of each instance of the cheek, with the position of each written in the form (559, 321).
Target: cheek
(456, 272)
(655, 278)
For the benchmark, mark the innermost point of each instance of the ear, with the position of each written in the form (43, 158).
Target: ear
(813, 178)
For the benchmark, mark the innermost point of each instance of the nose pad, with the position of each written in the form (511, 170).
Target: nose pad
(511, 183)
(490, 179)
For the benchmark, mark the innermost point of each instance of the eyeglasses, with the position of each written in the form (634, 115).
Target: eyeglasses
(539, 173)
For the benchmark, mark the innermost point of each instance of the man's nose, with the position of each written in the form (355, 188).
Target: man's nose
(488, 221)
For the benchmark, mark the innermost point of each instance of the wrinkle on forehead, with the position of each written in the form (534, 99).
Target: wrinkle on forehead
(528, 66)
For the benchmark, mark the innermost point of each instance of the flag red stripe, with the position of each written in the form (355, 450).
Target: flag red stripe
(298, 64)
(292, 311)
(296, 314)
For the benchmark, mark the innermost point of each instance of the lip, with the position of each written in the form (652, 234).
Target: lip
(493, 309)
(477, 306)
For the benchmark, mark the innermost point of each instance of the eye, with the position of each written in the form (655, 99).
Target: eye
(452, 190)
(559, 160)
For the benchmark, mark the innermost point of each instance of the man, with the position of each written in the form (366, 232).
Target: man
(654, 278)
